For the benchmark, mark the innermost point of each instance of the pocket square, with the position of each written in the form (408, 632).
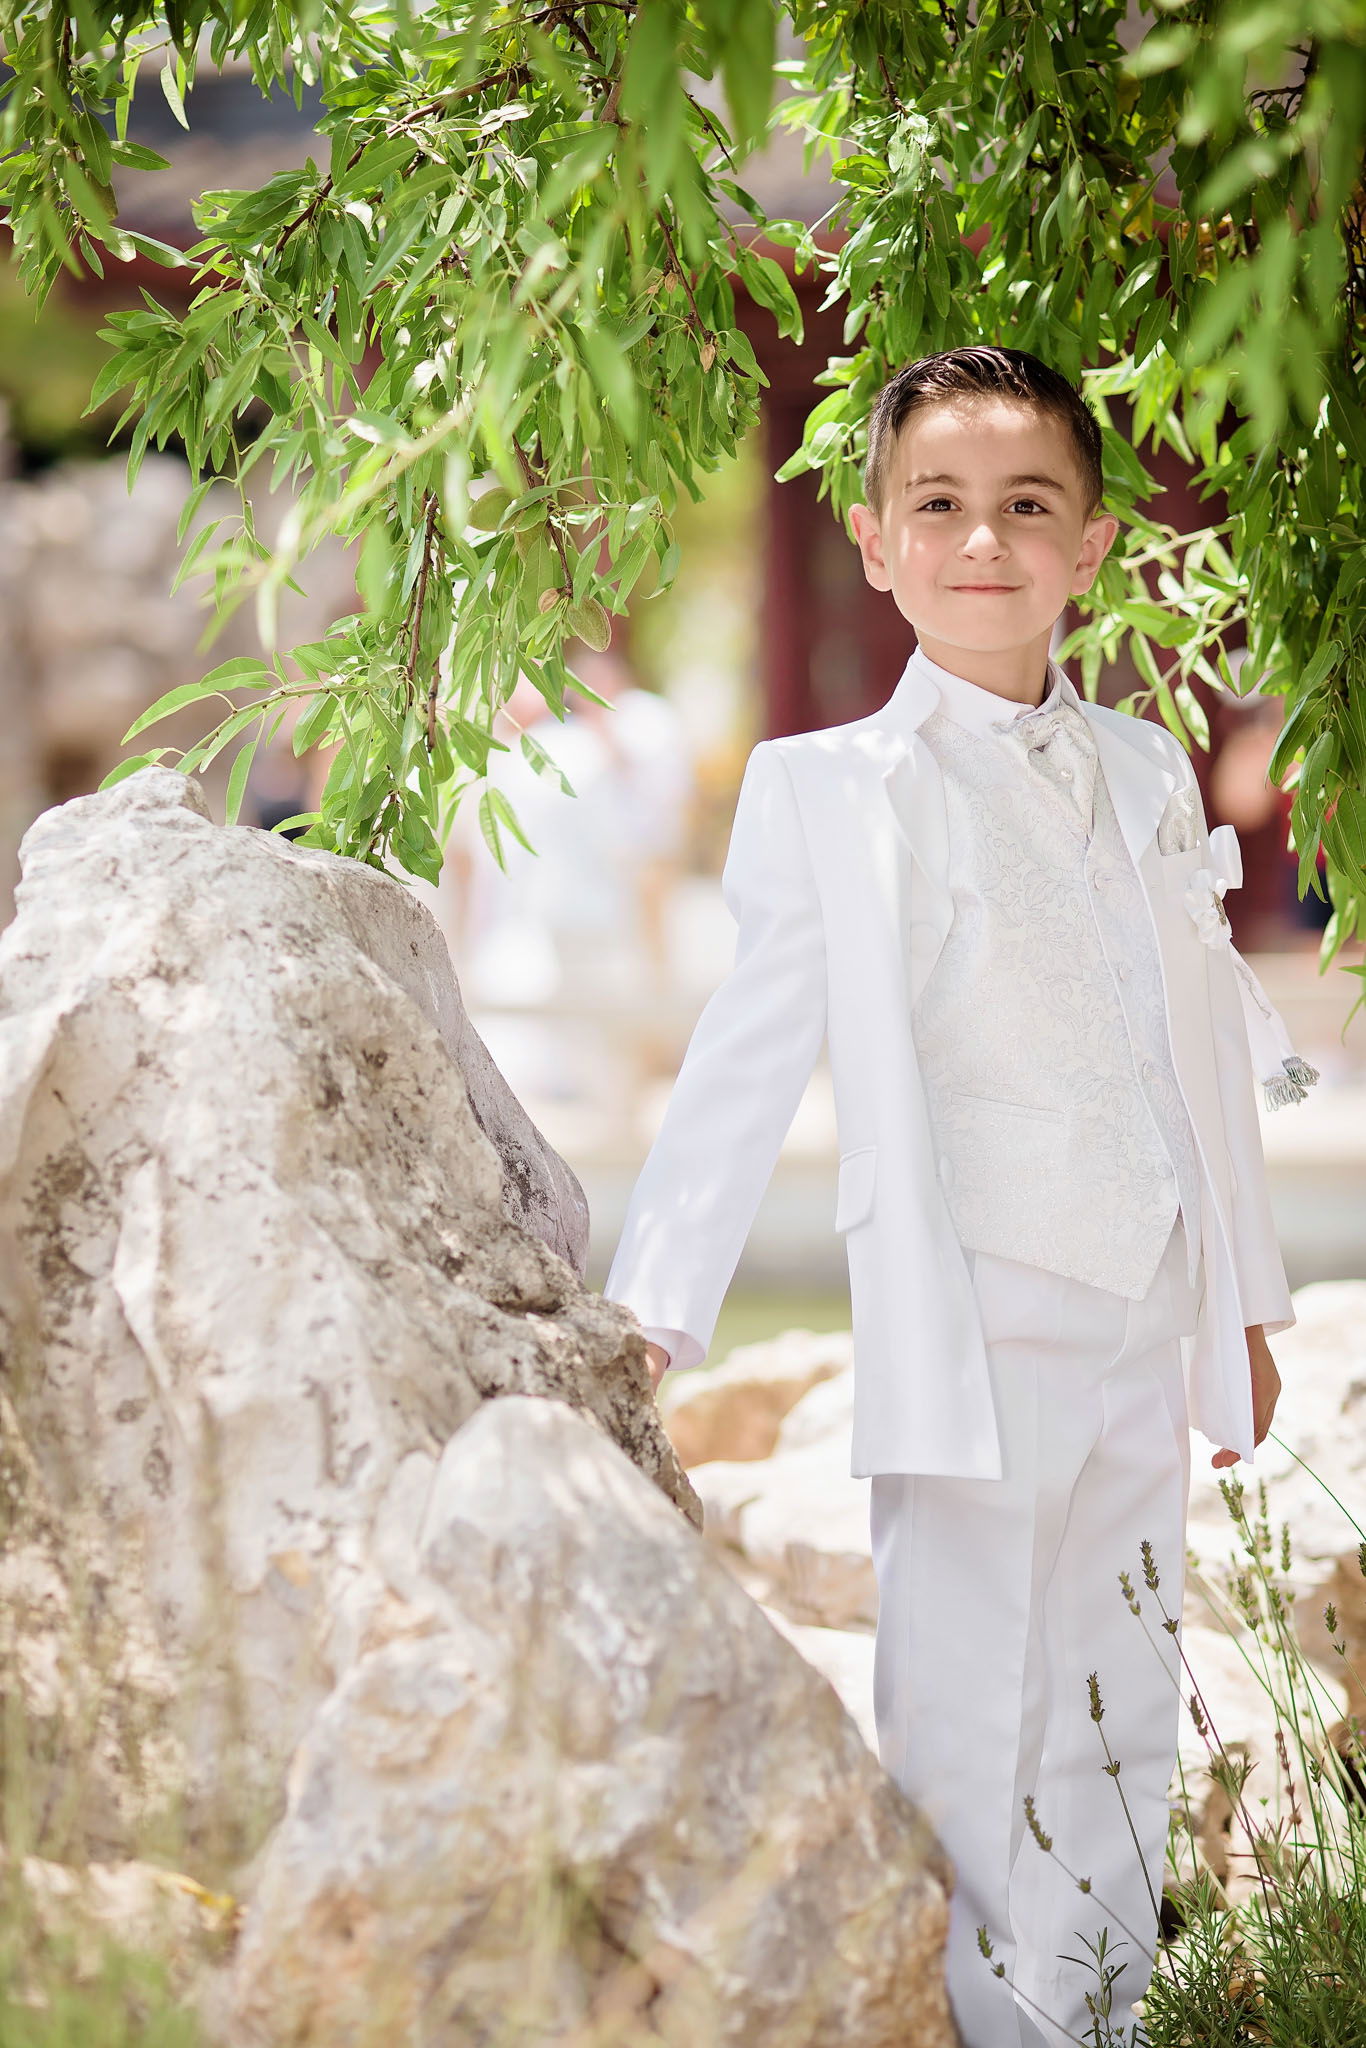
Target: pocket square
(1176, 831)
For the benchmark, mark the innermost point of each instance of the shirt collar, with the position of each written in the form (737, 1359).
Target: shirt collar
(969, 705)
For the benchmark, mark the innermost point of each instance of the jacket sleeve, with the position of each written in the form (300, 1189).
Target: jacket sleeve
(1262, 1286)
(746, 1065)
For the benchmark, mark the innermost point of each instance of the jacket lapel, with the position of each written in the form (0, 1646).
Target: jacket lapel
(914, 790)
(1136, 774)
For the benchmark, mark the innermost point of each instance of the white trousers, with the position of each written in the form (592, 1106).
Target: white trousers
(997, 1601)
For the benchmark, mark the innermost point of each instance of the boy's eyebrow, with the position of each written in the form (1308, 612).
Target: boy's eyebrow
(1010, 483)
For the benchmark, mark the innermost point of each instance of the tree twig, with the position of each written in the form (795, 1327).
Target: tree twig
(535, 478)
(419, 602)
(511, 74)
(683, 277)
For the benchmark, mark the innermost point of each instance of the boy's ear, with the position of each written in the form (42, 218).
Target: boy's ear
(1096, 544)
(868, 534)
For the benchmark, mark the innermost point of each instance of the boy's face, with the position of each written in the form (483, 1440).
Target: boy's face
(985, 532)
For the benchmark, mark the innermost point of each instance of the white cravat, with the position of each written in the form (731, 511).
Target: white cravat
(1062, 747)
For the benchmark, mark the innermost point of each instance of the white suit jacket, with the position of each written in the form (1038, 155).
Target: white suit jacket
(837, 876)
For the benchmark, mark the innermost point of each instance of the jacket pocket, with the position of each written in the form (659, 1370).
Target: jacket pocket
(1177, 868)
(854, 1195)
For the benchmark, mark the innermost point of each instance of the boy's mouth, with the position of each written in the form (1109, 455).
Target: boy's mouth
(983, 589)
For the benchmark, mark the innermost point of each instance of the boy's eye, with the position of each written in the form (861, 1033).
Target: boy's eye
(1029, 506)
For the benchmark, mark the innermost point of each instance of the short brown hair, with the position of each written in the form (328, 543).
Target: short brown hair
(980, 372)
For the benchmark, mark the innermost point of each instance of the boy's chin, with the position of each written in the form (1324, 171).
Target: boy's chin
(982, 637)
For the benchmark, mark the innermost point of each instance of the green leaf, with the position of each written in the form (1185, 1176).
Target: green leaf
(238, 673)
(135, 157)
(650, 72)
(171, 91)
(768, 283)
(869, 173)
(401, 236)
(1193, 713)
(502, 811)
(118, 371)
(123, 769)
(325, 343)
(611, 373)
(1318, 670)
(237, 780)
(376, 572)
(1162, 49)
(541, 761)
(748, 50)
(243, 671)
(158, 252)
(95, 204)
(314, 722)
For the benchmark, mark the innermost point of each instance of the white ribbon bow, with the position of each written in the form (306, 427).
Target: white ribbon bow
(1205, 902)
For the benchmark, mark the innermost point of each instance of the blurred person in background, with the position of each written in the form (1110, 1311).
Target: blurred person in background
(577, 933)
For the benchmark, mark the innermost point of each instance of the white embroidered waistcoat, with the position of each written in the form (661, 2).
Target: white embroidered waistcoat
(1060, 1132)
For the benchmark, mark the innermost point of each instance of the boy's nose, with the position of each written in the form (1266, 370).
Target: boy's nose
(983, 540)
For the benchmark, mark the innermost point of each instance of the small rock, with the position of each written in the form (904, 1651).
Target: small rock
(597, 1793)
(734, 1410)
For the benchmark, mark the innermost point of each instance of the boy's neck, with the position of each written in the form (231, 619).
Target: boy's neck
(1019, 674)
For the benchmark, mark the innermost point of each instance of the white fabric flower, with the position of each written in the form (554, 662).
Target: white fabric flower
(1204, 899)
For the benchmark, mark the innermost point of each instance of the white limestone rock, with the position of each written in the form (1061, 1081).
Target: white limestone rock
(258, 1262)
(794, 1527)
(842, 1655)
(589, 1787)
(734, 1410)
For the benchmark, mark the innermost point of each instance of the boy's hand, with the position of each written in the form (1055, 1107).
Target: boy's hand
(1266, 1388)
(657, 1363)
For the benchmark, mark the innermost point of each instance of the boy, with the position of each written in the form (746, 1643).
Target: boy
(1002, 907)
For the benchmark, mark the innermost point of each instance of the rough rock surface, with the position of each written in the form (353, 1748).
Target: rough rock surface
(585, 1793)
(92, 1756)
(258, 1261)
